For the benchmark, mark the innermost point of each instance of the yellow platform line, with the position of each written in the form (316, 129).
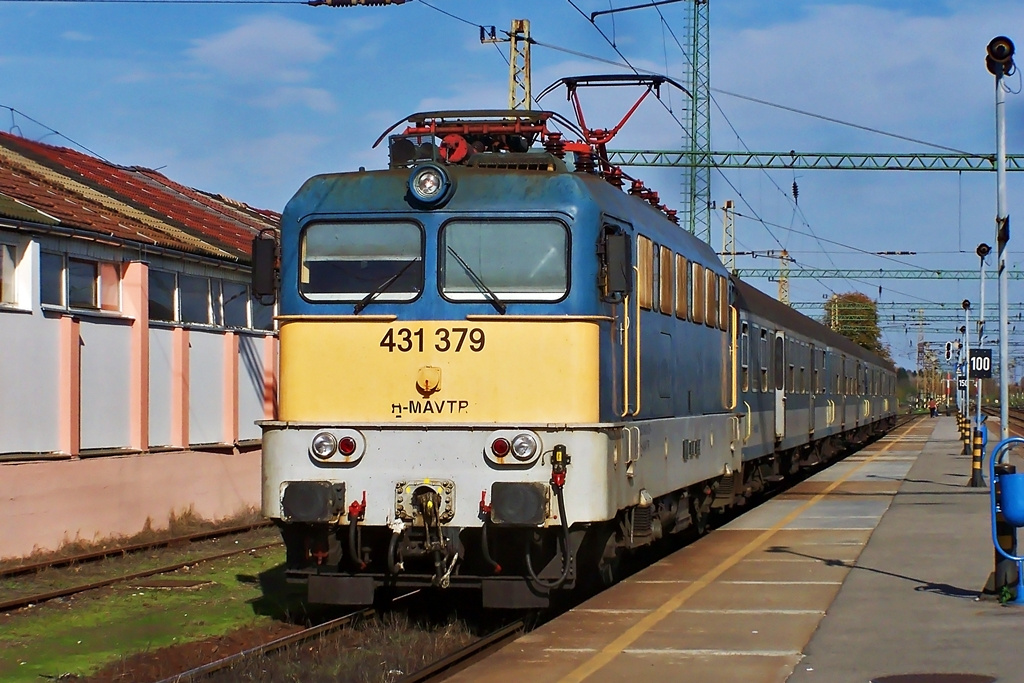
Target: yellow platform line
(617, 646)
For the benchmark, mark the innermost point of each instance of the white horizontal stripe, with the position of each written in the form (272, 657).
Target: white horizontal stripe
(717, 653)
(755, 611)
(783, 583)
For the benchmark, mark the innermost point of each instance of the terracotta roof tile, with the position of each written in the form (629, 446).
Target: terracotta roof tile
(127, 203)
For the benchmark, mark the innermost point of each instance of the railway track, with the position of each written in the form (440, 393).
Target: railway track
(94, 556)
(1016, 417)
(40, 597)
(271, 648)
(469, 654)
(476, 651)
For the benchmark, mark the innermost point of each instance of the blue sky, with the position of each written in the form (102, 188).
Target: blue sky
(249, 100)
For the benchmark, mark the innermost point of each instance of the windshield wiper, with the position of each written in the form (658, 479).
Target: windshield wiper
(491, 296)
(381, 288)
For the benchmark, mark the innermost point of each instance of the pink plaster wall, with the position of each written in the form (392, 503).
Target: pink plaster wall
(46, 504)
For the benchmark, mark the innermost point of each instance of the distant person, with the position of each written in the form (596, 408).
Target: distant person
(932, 409)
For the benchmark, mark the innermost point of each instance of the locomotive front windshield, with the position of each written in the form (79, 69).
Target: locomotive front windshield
(348, 261)
(516, 260)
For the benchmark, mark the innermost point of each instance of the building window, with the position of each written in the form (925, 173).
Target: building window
(262, 316)
(82, 277)
(161, 296)
(51, 279)
(236, 304)
(7, 261)
(194, 293)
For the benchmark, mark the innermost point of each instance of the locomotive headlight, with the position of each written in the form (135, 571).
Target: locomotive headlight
(524, 447)
(324, 445)
(429, 184)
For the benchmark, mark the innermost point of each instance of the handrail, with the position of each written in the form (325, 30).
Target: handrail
(625, 357)
(1001, 449)
(638, 400)
(750, 423)
(734, 359)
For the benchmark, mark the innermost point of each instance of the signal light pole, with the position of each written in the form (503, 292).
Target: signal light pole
(1000, 64)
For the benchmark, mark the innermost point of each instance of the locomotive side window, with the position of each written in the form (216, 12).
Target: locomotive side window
(656, 277)
(347, 261)
(711, 301)
(699, 305)
(723, 303)
(514, 260)
(666, 281)
(645, 272)
(682, 295)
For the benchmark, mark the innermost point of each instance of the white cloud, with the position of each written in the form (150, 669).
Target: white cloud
(316, 99)
(263, 48)
(76, 36)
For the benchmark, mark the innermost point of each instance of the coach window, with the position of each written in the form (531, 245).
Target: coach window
(682, 296)
(790, 368)
(645, 272)
(780, 363)
(348, 261)
(745, 357)
(763, 359)
(666, 281)
(699, 306)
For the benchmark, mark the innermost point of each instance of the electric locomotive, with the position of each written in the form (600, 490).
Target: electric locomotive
(498, 370)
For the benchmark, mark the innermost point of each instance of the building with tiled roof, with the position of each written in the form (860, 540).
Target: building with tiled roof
(126, 322)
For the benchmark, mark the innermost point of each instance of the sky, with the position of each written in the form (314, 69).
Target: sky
(250, 99)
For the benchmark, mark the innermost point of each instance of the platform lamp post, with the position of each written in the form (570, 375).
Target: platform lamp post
(1000, 64)
(977, 436)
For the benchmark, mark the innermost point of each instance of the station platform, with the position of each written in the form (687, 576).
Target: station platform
(873, 568)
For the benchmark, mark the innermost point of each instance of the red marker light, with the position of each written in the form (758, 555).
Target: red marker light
(500, 447)
(346, 445)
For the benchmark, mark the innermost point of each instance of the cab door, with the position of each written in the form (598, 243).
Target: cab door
(621, 274)
(779, 357)
(811, 388)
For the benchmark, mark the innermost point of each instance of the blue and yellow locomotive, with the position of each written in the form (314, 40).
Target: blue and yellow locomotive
(499, 371)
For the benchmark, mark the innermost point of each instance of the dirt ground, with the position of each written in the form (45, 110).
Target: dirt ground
(168, 661)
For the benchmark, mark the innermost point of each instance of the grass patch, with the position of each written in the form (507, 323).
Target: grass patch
(80, 635)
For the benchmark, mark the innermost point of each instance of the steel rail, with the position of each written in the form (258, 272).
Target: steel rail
(18, 603)
(273, 646)
(124, 550)
(466, 655)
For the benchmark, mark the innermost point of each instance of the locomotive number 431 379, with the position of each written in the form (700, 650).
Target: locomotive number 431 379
(404, 339)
